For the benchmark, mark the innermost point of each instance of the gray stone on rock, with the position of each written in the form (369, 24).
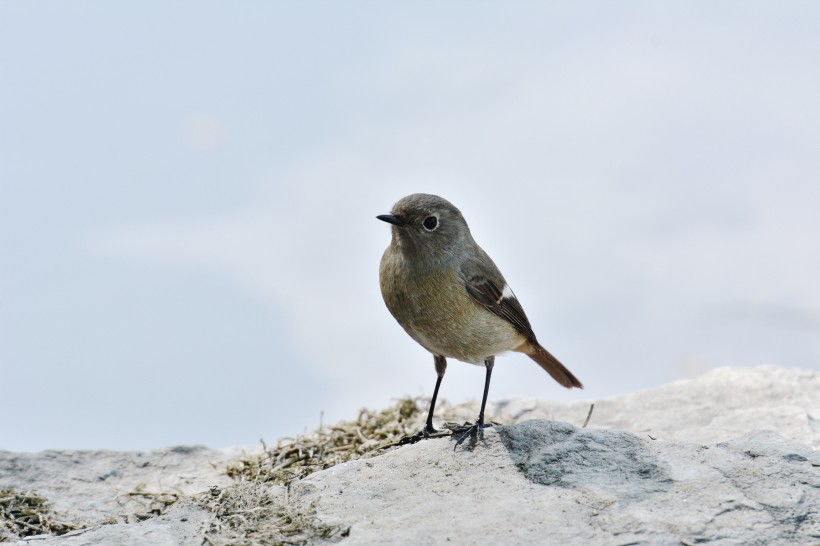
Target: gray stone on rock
(555, 453)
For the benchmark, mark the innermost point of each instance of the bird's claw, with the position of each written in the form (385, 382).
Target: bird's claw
(423, 434)
(473, 431)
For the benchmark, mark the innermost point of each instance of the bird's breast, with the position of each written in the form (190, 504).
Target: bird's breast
(435, 309)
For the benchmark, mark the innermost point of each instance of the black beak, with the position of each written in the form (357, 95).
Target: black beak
(392, 219)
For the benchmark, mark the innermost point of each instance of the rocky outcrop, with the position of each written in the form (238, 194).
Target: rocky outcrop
(727, 458)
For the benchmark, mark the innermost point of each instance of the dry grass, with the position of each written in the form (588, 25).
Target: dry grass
(28, 514)
(153, 503)
(259, 509)
(369, 435)
(252, 513)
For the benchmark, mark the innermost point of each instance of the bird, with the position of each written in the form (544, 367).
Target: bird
(451, 298)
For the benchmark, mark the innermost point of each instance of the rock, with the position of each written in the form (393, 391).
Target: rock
(553, 483)
(119, 493)
(183, 525)
(722, 404)
(727, 458)
(100, 485)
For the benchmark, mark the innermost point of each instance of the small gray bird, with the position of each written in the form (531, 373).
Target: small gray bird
(450, 297)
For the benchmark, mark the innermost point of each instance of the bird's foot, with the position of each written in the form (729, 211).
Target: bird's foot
(427, 432)
(475, 431)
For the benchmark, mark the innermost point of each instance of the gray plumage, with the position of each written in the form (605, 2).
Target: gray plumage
(449, 296)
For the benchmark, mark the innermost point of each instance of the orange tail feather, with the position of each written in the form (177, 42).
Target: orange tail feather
(552, 366)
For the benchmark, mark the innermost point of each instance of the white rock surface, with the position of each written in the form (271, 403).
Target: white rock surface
(722, 404)
(543, 482)
(733, 461)
(98, 487)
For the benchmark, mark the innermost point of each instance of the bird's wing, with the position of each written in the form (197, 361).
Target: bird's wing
(488, 287)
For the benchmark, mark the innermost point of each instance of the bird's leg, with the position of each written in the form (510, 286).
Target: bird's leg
(489, 363)
(479, 424)
(441, 367)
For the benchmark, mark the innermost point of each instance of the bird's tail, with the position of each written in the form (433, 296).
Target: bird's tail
(552, 366)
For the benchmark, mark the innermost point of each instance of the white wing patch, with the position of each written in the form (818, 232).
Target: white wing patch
(506, 293)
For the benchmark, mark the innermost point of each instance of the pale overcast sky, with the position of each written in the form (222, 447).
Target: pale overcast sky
(188, 190)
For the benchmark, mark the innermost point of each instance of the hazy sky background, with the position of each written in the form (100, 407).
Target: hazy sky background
(188, 190)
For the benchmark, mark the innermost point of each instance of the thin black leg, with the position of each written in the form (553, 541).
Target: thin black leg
(489, 363)
(441, 366)
(479, 424)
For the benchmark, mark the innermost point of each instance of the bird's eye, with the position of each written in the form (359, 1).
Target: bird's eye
(430, 223)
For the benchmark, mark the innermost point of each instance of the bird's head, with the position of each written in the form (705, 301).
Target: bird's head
(426, 224)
